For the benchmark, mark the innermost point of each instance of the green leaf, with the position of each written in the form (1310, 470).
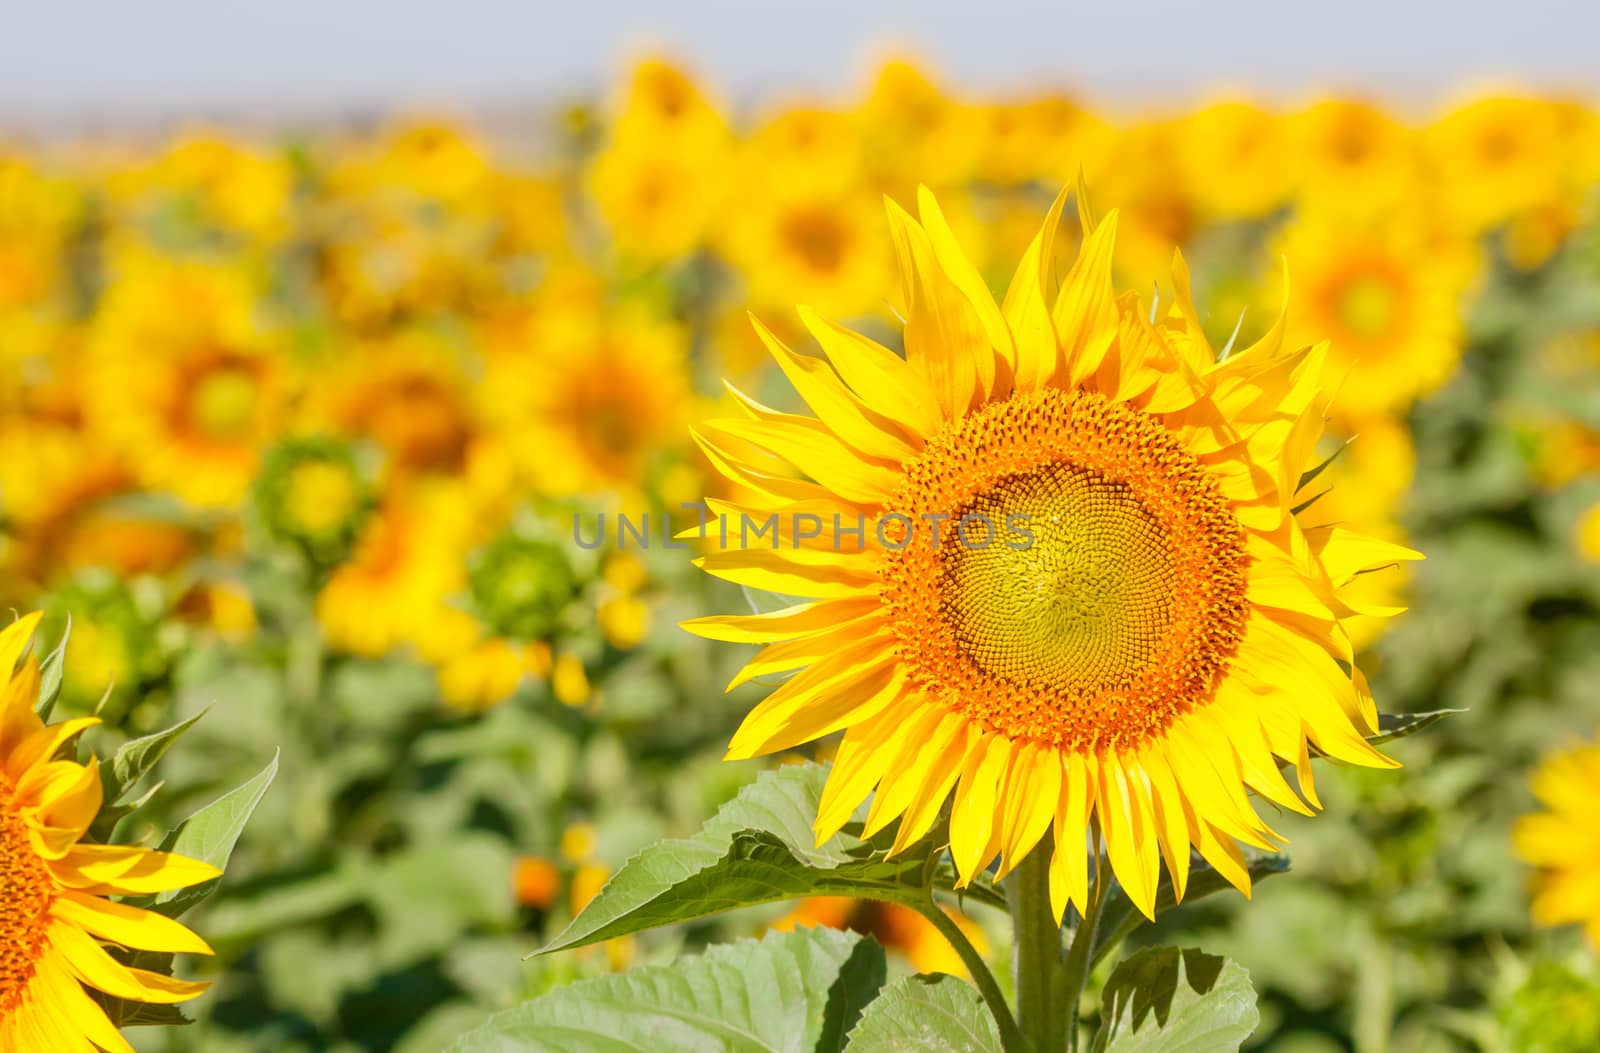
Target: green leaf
(132, 762)
(926, 1014)
(1392, 726)
(51, 671)
(795, 992)
(210, 834)
(759, 848)
(1167, 1000)
(135, 758)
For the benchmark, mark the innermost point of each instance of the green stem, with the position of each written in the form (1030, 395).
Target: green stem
(1074, 973)
(1041, 1015)
(1010, 1038)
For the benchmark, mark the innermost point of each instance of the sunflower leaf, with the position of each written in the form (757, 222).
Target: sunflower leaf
(1167, 1000)
(51, 670)
(1392, 726)
(796, 992)
(210, 834)
(926, 1014)
(135, 759)
(759, 848)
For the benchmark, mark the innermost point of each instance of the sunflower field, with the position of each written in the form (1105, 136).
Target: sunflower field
(469, 583)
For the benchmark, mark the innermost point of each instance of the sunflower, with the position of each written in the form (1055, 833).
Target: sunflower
(1354, 156)
(1387, 296)
(826, 248)
(1079, 597)
(1497, 157)
(1563, 842)
(403, 567)
(1237, 158)
(216, 180)
(589, 398)
(408, 393)
(58, 486)
(896, 927)
(37, 215)
(55, 905)
(186, 397)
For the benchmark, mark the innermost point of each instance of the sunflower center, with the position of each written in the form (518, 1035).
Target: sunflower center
(818, 237)
(320, 497)
(1097, 591)
(1084, 604)
(26, 893)
(1367, 306)
(224, 403)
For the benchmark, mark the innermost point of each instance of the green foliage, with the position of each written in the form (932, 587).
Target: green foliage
(926, 1014)
(798, 992)
(1554, 1011)
(759, 848)
(1167, 1000)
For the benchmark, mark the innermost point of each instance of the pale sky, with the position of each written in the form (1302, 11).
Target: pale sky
(95, 60)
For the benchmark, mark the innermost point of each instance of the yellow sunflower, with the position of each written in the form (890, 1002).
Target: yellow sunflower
(1497, 157)
(896, 927)
(590, 400)
(1079, 598)
(186, 397)
(409, 393)
(56, 914)
(1354, 156)
(1387, 296)
(405, 563)
(1238, 159)
(825, 248)
(1563, 841)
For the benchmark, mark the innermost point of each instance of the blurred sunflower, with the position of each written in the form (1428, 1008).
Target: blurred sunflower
(825, 249)
(1237, 158)
(186, 397)
(658, 202)
(55, 909)
(663, 171)
(914, 131)
(216, 181)
(405, 563)
(806, 148)
(37, 215)
(897, 927)
(1354, 157)
(61, 511)
(1158, 209)
(1496, 157)
(1387, 297)
(520, 588)
(1046, 139)
(1132, 630)
(313, 495)
(591, 400)
(1563, 842)
(409, 393)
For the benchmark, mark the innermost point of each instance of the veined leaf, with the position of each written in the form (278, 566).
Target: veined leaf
(210, 834)
(926, 1014)
(1167, 1000)
(759, 848)
(794, 992)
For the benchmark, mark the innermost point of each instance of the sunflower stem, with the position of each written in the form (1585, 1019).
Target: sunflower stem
(1010, 1037)
(1045, 1020)
(1080, 955)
